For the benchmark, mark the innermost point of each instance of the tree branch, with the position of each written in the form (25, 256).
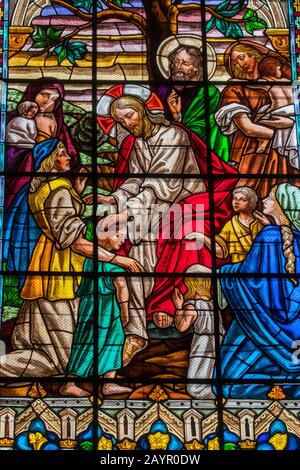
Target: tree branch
(220, 17)
(194, 6)
(63, 38)
(126, 15)
(115, 11)
(165, 5)
(133, 18)
(79, 13)
(111, 5)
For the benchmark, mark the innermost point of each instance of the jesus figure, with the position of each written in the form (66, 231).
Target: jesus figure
(167, 164)
(161, 149)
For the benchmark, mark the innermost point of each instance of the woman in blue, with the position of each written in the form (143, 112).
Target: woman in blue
(260, 342)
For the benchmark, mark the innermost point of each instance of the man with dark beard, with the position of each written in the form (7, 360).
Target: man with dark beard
(186, 102)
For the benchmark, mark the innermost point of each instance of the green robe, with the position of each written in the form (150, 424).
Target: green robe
(110, 329)
(194, 119)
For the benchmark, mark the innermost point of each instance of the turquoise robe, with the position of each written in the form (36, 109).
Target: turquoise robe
(110, 329)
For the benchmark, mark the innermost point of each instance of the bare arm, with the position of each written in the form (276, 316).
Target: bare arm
(219, 251)
(279, 122)
(85, 248)
(250, 129)
(263, 219)
(46, 124)
(123, 298)
(185, 318)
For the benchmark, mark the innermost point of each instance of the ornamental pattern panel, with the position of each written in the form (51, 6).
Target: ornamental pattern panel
(149, 214)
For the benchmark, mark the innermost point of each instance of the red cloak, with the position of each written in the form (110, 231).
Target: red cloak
(174, 252)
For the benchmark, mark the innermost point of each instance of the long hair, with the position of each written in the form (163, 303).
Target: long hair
(197, 286)
(246, 45)
(288, 242)
(241, 74)
(149, 120)
(288, 251)
(46, 167)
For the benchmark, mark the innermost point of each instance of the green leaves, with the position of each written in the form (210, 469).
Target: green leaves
(45, 37)
(234, 31)
(228, 25)
(223, 6)
(70, 50)
(76, 50)
(222, 25)
(118, 3)
(211, 24)
(253, 22)
(227, 10)
(83, 4)
(86, 5)
(249, 14)
(49, 38)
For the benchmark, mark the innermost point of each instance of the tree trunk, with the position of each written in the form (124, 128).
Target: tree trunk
(158, 29)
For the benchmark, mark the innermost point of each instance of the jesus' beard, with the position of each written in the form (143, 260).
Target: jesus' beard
(144, 129)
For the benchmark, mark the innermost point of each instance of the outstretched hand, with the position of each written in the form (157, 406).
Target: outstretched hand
(178, 298)
(100, 199)
(174, 103)
(261, 217)
(80, 181)
(128, 263)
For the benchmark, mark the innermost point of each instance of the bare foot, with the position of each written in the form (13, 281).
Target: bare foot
(71, 389)
(114, 389)
(133, 345)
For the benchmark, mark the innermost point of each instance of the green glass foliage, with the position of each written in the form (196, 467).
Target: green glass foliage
(224, 20)
(70, 50)
(45, 37)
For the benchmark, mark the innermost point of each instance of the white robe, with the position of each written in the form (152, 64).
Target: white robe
(203, 352)
(21, 132)
(285, 140)
(167, 152)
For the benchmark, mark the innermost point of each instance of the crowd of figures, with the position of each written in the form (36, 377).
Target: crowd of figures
(161, 134)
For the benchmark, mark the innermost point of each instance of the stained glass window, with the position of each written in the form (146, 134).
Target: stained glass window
(150, 229)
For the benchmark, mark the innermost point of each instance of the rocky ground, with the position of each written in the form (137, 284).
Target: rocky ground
(164, 360)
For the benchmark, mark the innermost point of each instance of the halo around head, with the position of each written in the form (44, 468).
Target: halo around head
(106, 122)
(169, 45)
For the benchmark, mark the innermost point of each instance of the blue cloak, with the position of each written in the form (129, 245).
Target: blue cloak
(21, 233)
(259, 343)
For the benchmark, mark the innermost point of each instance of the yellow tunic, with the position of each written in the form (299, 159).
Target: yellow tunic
(61, 226)
(236, 239)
